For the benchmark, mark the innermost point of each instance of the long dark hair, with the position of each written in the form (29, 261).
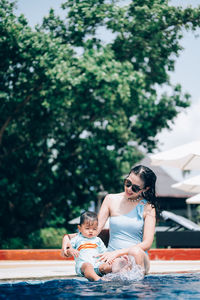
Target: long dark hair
(149, 179)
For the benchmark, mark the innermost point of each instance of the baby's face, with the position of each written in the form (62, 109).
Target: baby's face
(89, 229)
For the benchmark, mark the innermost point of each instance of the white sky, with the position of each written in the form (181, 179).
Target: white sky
(187, 72)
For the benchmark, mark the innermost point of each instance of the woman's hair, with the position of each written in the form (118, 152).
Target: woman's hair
(88, 216)
(149, 179)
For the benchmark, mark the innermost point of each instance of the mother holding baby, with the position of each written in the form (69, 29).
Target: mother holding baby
(132, 219)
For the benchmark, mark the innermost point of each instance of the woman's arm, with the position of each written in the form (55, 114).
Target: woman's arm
(149, 227)
(103, 213)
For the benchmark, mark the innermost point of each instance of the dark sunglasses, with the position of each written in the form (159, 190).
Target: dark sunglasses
(135, 188)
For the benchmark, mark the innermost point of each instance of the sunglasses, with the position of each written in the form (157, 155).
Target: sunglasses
(135, 188)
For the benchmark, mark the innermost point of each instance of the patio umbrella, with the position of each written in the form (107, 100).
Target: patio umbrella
(185, 157)
(194, 199)
(75, 221)
(189, 185)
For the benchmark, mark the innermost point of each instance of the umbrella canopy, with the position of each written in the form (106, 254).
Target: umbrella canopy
(193, 200)
(185, 157)
(189, 185)
(75, 221)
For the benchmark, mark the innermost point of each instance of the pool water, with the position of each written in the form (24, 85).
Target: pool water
(176, 286)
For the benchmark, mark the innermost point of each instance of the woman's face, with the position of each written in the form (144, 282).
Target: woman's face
(133, 186)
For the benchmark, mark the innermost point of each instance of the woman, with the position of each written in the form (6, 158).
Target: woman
(132, 218)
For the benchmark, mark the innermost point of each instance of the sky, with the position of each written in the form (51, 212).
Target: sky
(187, 72)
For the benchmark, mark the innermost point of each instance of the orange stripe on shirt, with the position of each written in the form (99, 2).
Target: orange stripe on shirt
(87, 246)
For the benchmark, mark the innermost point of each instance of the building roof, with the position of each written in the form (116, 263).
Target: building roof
(164, 181)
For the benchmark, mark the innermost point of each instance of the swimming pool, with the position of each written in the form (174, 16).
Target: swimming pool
(165, 287)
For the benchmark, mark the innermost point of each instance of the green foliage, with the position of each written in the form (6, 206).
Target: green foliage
(46, 238)
(13, 243)
(72, 123)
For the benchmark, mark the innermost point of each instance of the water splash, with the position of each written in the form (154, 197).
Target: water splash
(130, 272)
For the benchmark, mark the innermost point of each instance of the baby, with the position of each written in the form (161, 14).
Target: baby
(86, 246)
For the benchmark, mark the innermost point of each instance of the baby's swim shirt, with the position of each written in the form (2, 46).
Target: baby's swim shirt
(88, 248)
(127, 230)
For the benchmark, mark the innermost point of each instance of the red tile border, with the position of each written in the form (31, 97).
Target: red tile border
(175, 254)
(32, 254)
(55, 254)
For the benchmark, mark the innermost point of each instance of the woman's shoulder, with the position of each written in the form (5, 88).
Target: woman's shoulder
(112, 201)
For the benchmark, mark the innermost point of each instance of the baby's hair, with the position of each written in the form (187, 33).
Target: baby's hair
(88, 216)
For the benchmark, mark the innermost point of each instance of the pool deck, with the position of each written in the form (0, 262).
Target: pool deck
(23, 270)
(13, 268)
(43, 270)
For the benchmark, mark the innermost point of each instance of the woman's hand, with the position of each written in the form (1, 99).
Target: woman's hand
(69, 251)
(66, 243)
(108, 257)
(72, 252)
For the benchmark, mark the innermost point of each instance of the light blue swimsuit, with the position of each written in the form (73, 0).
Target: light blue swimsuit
(127, 230)
(88, 249)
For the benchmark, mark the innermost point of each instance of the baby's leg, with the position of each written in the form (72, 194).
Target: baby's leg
(88, 271)
(121, 264)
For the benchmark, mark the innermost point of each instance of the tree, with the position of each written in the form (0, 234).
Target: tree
(147, 35)
(71, 123)
(33, 97)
